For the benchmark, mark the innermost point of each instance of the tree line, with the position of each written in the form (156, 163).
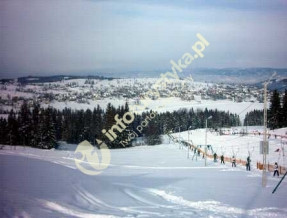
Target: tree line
(276, 114)
(44, 127)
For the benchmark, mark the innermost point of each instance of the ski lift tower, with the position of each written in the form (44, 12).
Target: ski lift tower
(265, 143)
(264, 179)
(205, 164)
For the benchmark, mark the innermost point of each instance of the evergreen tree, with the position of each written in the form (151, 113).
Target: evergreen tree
(47, 132)
(109, 121)
(275, 110)
(3, 131)
(152, 132)
(58, 120)
(97, 123)
(67, 125)
(35, 124)
(124, 135)
(25, 125)
(13, 129)
(254, 118)
(87, 130)
(46, 126)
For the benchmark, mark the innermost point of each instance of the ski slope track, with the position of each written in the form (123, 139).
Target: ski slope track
(145, 181)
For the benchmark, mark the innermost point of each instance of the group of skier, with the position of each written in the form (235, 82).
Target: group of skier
(233, 161)
(248, 163)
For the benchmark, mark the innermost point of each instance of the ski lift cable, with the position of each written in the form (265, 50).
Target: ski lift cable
(247, 108)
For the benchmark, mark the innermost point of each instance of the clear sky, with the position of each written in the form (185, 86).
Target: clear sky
(41, 37)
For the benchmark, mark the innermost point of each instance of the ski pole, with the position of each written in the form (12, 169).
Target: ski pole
(279, 183)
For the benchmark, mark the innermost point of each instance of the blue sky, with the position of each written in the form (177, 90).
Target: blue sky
(41, 37)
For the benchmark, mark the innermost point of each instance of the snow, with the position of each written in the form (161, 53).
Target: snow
(145, 181)
(4, 116)
(173, 104)
(116, 102)
(282, 131)
(110, 87)
(241, 146)
(168, 104)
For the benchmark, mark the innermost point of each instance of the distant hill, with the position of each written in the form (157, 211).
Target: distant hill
(235, 75)
(56, 78)
(223, 75)
(254, 76)
(279, 84)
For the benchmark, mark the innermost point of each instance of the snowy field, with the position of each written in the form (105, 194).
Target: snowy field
(162, 104)
(145, 181)
(170, 104)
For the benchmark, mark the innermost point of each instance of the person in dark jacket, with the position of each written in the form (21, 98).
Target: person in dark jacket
(233, 161)
(222, 159)
(276, 170)
(248, 163)
(215, 157)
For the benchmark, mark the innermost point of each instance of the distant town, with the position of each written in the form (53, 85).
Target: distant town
(83, 91)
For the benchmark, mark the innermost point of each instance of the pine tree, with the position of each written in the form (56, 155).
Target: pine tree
(152, 132)
(13, 129)
(47, 133)
(66, 125)
(126, 133)
(274, 115)
(254, 118)
(97, 123)
(87, 130)
(35, 124)
(25, 124)
(109, 121)
(3, 131)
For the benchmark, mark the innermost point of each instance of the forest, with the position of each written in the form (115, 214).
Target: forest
(44, 127)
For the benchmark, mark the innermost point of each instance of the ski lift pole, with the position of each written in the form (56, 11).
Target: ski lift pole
(264, 177)
(205, 159)
(279, 183)
(265, 146)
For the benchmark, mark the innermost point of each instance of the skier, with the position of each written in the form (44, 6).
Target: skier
(215, 157)
(276, 170)
(248, 163)
(233, 161)
(222, 159)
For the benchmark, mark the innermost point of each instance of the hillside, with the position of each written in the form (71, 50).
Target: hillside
(143, 181)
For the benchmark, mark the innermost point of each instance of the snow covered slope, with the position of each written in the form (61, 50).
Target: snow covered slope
(142, 181)
(241, 146)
